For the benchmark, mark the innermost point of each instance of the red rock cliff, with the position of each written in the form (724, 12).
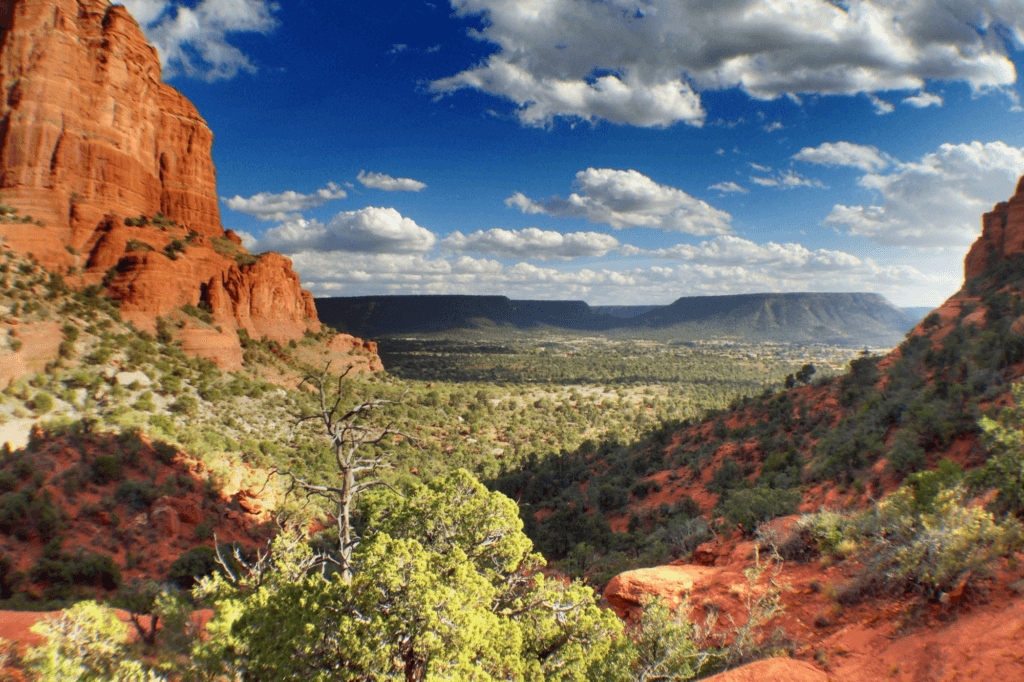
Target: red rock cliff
(88, 128)
(1002, 234)
(89, 137)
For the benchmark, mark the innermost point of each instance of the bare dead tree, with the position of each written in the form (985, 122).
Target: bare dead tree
(356, 455)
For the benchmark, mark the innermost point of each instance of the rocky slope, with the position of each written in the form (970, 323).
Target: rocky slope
(111, 173)
(911, 418)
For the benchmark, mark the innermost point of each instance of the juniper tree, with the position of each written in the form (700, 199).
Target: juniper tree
(355, 444)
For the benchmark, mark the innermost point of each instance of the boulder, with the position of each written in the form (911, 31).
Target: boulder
(186, 509)
(129, 378)
(772, 670)
(627, 592)
(165, 519)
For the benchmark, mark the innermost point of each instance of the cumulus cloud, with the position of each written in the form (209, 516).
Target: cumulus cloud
(644, 64)
(368, 230)
(937, 201)
(923, 99)
(283, 206)
(716, 268)
(729, 186)
(531, 243)
(865, 157)
(627, 198)
(388, 183)
(193, 40)
(730, 250)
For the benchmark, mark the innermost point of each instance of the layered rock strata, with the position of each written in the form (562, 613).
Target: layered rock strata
(114, 168)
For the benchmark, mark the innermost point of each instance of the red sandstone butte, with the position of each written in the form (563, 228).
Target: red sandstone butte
(90, 129)
(91, 136)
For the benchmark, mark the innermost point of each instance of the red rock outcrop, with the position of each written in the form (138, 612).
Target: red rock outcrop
(89, 137)
(1002, 234)
(627, 592)
(772, 670)
(89, 128)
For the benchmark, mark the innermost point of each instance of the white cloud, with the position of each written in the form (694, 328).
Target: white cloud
(923, 99)
(627, 198)
(388, 183)
(193, 40)
(724, 266)
(773, 126)
(787, 179)
(531, 243)
(645, 64)
(881, 106)
(763, 169)
(937, 201)
(368, 230)
(864, 157)
(729, 186)
(283, 206)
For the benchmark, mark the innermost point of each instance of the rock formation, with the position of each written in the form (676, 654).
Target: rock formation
(1002, 234)
(114, 168)
(89, 129)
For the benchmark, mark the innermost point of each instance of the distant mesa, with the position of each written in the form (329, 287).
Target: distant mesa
(833, 318)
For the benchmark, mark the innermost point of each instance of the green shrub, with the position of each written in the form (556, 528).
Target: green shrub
(41, 403)
(748, 508)
(932, 551)
(8, 481)
(14, 512)
(164, 451)
(106, 469)
(185, 404)
(138, 495)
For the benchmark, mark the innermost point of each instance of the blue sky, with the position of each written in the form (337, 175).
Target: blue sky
(611, 151)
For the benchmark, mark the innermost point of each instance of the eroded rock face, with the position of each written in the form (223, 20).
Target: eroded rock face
(89, 137)
(88, 128)
(1002, 234)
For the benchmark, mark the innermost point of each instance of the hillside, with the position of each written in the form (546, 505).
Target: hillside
(847, 319)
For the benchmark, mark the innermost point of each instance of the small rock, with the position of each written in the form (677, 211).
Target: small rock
(129, 378)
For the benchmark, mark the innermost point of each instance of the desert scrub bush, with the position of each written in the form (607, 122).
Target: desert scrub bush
(814, 534)
(932, 551)
(750, 507)
(138, 495)
(1004, 436)
(106, 469)
(40, 403)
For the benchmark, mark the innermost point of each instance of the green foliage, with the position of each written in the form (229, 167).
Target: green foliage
(41, 403)
(198, 562)
(85, 643)
(1005, 470)
(138, 495)
(748, 508)
(136, 245)
(106, 469)
(62, 570)
(445, 587)
(933, 550)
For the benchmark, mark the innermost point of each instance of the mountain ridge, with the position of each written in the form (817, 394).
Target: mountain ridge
(800, 317)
